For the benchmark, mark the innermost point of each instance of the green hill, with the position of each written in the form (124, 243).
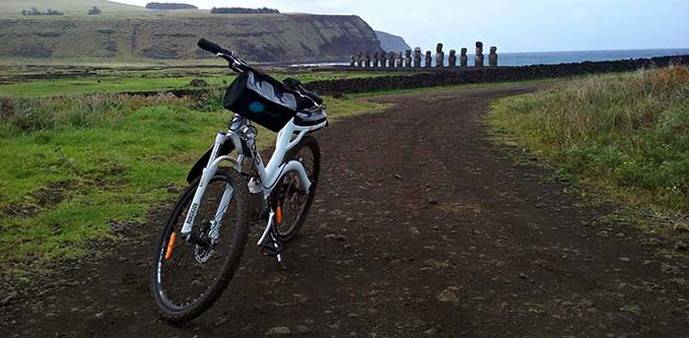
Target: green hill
(70, 7)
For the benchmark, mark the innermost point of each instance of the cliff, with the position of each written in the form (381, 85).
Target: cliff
(390, 42)
(259, 37)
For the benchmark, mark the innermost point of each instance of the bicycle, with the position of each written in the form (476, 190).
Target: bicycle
(205, 236)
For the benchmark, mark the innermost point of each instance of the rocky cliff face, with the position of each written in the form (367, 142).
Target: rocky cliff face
(390, 42)
(261, 37)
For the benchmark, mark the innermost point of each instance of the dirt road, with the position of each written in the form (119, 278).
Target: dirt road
(422, 227)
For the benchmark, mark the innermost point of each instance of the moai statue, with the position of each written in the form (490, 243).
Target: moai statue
(493, 57)
(429, 59)
(391, 59)
(417, 57)
(407, 58)
(359, 60)
(478, 58)
(376, 59)
(452, 59)
(439, 56)
(353, 62)
(399, 60)
(367, 59)
(463, 58)
(383, 61)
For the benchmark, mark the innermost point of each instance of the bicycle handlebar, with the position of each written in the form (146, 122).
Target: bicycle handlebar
(236, 63)
(240, 66)
(212, 47)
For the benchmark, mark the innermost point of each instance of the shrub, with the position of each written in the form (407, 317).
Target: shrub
(26, 115)
(240, 10)
(169, 6)
(35, 11)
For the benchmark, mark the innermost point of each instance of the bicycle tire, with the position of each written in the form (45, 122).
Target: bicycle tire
(176, 314)
(310, 143)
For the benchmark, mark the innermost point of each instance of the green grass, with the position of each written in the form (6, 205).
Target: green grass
(628, 134)
(92, 85)
(14, 7)
(73, 165)
(148, 81)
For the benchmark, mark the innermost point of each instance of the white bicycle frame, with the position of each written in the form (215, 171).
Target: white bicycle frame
(241, 133)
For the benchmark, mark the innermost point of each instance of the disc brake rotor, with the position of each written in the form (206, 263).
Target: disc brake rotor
(202, 254)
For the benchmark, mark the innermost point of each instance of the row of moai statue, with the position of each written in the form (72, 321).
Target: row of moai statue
(381, 59)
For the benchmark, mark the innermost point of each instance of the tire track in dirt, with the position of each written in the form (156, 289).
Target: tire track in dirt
(421, 227)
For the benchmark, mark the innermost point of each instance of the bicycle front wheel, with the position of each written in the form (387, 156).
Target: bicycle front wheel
(188, 278)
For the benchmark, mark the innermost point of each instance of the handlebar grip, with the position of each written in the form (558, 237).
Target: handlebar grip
(212, 47)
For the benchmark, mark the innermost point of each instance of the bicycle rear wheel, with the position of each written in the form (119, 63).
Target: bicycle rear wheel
(188, 278)
(290, 195)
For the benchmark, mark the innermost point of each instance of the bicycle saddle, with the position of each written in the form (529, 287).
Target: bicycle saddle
(296, 85)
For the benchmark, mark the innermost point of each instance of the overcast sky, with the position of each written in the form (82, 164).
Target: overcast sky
(512, 25)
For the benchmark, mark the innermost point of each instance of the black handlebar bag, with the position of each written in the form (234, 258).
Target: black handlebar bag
(261, 99)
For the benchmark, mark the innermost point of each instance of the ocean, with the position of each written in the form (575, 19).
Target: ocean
(536, 58)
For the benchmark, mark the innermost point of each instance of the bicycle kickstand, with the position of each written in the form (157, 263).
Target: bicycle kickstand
(272, 246)
(278, 254)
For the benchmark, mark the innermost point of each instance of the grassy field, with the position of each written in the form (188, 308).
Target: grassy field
(628, 134)
(135, 81)
(13, 7)
(91, 85)
(73, 166)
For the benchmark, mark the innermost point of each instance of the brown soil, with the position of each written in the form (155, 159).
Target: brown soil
(41, 199)
(422, 226)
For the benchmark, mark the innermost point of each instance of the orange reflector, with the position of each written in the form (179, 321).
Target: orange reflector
(278, 215)
(170, 246)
